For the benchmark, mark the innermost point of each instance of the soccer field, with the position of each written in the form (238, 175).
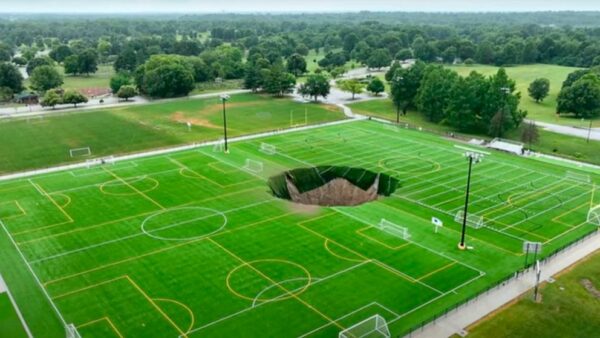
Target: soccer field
(192, 244)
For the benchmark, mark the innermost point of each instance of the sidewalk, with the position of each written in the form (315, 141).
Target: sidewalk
(455, 321)
(571, 131)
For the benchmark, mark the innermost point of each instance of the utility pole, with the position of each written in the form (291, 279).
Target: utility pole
(473, 158)
(224, 99)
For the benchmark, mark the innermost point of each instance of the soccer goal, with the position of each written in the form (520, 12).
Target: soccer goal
(80, 152)
(36, 119)
(253, 166)
(72, 331)
(268, 149)
(372, 327)
(578, 177)
(594, 215)
(473, 220)
(393, 229)
(298, 119)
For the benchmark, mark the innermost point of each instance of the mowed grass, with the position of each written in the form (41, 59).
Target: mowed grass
(550, 143)
(41, 142)
(192, 244)
(10, 325)
(100, 79)
(567, 309)
(523, 75)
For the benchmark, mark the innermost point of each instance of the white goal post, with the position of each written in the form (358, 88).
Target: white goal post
(473, 220)
(393, 229)
(253, 166)
(79, 152)
(268, 149)
(294, 120)
(372, 327)
(71, 331)
(578, 177)
(594, 215)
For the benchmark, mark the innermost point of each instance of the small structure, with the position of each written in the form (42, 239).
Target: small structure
(507, 146)
(27, 98)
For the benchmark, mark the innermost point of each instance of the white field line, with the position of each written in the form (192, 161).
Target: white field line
(116, 240)
(154, 153)
(235, 314)
(4, 288)
(37, 280)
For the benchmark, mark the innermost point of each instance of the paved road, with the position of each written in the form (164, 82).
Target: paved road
(571, 131)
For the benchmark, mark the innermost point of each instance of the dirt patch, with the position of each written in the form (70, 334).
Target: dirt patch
(179, 117)
(589, 286)
(337, 192)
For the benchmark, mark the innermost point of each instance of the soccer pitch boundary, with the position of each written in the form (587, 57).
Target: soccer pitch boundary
(327, 240)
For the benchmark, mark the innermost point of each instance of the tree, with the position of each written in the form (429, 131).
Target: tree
(88, 62)
(253, 78)
(60, 53)
(126, 92)
(19, 61)
(51, 99)
(165, 76)
(119, 80)
(37, 62)
(404, 54)
(10, 77)
(6, 52)
(435, 92)
(74, 97)
(71, 64)
(352, 86)
(405, 84)
(278, 82)
(296, 64)
(582, 98)
(530, 133)
(44, 78)
(315, 86)
(380, 58)
(501, 106)
(376, 86)
(126, 61)
(539, 89)
(464, 109)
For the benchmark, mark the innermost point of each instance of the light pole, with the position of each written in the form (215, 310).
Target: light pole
(399, 78)
(224, 99)
(473, 158)
(589, 131)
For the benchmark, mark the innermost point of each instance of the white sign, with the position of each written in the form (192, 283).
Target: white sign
(437, 222)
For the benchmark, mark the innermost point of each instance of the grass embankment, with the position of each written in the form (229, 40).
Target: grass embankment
(37, 143)
(567, 309)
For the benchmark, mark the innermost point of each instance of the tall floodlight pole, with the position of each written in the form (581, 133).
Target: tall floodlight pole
(589, 131)
(399, 78)
(473, 158)
(224, 99)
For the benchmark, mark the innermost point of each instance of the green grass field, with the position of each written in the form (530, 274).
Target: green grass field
(10, 325)
(34, 143)
(567, 309)
(523, 76)
(100, 79)
(191, 244)
(550, 143)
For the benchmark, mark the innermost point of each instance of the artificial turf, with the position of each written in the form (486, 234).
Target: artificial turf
(192, 244)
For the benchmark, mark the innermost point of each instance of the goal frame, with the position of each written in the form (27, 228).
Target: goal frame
(593, 216)
(74, 152)
(253, 166)
(473, 220)
(267, 148)
(373, 326)
(393, 229)
(577, 177)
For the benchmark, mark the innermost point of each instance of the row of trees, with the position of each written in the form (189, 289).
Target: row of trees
(473, 104)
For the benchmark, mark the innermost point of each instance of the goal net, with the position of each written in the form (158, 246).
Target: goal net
(72, 331)
(219, 147)
(268, 149)
(473, 220)
(298, 119)
(372, 327)
(79, 152)
(578, 177)
(594, 215)
(393, 229)
(253, 166)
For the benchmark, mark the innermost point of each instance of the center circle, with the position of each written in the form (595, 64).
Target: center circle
(185, 223)
(274, 280)
(417, 165)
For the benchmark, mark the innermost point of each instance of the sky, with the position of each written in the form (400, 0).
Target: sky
(190, 6)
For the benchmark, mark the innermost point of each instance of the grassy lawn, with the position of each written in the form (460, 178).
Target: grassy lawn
(10, 325)
(193, 244)
(211, 87)
(36, 143)
(551, 143)
(523, 76)
(567, 309)
(100, 79)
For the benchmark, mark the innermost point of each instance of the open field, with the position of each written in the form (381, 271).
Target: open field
(523, 76)
(41, 142)
(567, 309)
(190, 244)
(551, 143)
(100, 79)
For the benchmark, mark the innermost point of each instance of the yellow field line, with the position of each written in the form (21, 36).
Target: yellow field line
(68, 198)
(360, 232)
(436, 271)
(23, 212)
(593, 193)
(191, 313)
(276, 284)
(72, 292)
(522, 196)
(130, 259)
(110, 323)
(43, 192)
(134, 188)
(326, 246)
